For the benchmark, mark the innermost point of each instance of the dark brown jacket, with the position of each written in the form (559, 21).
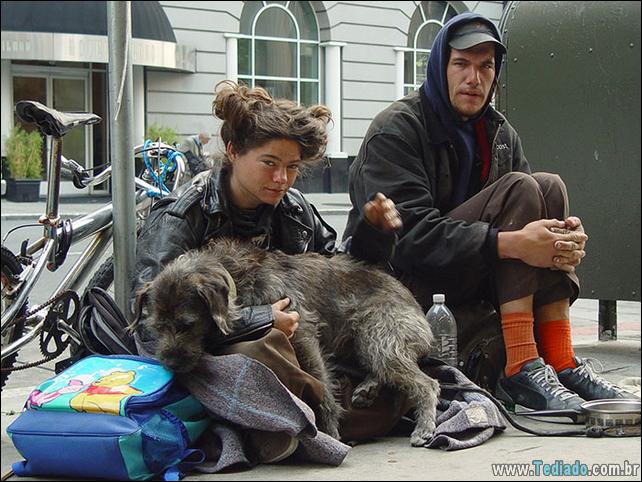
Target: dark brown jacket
(407, 156)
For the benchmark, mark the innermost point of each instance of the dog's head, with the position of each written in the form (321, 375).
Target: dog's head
(188, 303)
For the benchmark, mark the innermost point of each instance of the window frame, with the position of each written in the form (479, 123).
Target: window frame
(297, 79)
(410, 86)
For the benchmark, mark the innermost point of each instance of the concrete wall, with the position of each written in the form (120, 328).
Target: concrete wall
(370, 30)
(184, 101)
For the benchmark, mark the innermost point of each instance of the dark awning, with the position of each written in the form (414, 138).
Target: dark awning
(77, 32)
(89, 18)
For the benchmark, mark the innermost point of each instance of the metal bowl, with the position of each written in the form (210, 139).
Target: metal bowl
(612, 412)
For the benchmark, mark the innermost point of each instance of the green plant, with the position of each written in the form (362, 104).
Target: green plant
(23, 150)
(167, 134)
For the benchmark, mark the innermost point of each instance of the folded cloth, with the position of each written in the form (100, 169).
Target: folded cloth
(464, 418)
(631, 385)
(223, 447)
(241, 393)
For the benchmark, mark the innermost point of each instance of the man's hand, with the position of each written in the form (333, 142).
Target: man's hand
(570, 253)
(382, 214)
(288, 321)
(546, 243)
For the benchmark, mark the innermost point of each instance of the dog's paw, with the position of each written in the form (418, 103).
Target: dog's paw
(328, 416)
(422, 434)
(329, 427)
(333, 432)
(365, 394)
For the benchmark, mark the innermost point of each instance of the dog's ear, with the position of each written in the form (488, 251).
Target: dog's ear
(231, 287)
(213, 295)
(141, 299)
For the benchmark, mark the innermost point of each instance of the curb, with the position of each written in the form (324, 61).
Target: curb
(334, 211)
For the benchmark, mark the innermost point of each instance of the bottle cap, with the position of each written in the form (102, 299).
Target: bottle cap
(438, 298)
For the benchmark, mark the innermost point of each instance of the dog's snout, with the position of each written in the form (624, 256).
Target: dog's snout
(176, 362)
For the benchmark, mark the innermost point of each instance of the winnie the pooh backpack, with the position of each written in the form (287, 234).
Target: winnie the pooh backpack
(117, 417)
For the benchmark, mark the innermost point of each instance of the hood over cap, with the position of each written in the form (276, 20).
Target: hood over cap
(465, 29)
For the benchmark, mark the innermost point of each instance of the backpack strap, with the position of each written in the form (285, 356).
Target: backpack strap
(178, 471)
(173, 473)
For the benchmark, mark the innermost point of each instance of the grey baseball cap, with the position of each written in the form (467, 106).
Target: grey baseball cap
(473, 33)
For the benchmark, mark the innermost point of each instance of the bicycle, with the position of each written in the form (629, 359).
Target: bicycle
(53, 321)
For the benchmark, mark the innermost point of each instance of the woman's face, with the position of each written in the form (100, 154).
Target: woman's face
(264, 174)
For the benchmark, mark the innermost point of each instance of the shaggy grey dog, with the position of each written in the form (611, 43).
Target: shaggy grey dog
(349, 311)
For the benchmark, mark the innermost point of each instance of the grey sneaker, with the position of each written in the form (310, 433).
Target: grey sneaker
(536, 387)
(585, 380)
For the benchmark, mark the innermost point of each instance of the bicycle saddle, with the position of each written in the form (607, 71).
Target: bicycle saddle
(50, 121)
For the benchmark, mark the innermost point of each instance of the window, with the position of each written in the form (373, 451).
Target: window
(64, 90)
(279, 49)
(72, 87)
(428, 19)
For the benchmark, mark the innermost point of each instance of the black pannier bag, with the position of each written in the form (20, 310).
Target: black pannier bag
(103, 326)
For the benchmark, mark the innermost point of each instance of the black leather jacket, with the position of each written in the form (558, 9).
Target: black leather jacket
(199, 212)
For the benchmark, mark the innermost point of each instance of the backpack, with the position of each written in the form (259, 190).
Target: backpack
(117, 417)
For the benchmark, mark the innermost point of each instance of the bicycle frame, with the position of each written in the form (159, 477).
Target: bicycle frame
(97, 224)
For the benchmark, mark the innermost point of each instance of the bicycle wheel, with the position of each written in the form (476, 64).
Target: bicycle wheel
(102, 278)
(11, 268)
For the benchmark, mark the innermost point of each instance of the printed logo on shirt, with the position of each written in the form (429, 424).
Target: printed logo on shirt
(502, 147)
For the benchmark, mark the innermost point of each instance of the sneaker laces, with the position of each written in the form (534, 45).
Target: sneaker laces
(546, 378)
(590, 369)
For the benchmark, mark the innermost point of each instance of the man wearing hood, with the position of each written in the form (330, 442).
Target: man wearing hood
(477, 223)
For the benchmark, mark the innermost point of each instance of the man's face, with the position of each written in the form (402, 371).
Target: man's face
(470, 75)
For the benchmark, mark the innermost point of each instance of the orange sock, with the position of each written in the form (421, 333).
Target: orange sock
(555, 344)
(519, 340)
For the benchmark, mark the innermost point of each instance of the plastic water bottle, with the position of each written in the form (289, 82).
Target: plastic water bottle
(444, 328)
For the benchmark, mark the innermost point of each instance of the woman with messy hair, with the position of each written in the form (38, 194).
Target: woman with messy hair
(250, 197)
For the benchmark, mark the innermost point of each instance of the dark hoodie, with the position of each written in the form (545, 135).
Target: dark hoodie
(461, 133)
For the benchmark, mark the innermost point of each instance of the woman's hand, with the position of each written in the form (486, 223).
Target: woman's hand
(286, 321)
(382, 214)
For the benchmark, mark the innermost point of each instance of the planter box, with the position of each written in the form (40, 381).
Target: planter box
(23, 190)
(315, 180)
(339, 174)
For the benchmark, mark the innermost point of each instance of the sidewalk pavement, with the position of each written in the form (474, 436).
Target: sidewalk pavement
(71, 206)
(392, 458)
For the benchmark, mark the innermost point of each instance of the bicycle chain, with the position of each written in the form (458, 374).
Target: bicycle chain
(40, 307)
(65, 294)
(32, 364)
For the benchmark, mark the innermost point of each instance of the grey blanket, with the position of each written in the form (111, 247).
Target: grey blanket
(464, 419)
(241, 393)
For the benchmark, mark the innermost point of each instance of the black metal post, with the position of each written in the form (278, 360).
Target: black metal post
(607, 320)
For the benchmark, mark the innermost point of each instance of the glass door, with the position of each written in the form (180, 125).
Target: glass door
(64, 90)
(68, 96)
(29, 88)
